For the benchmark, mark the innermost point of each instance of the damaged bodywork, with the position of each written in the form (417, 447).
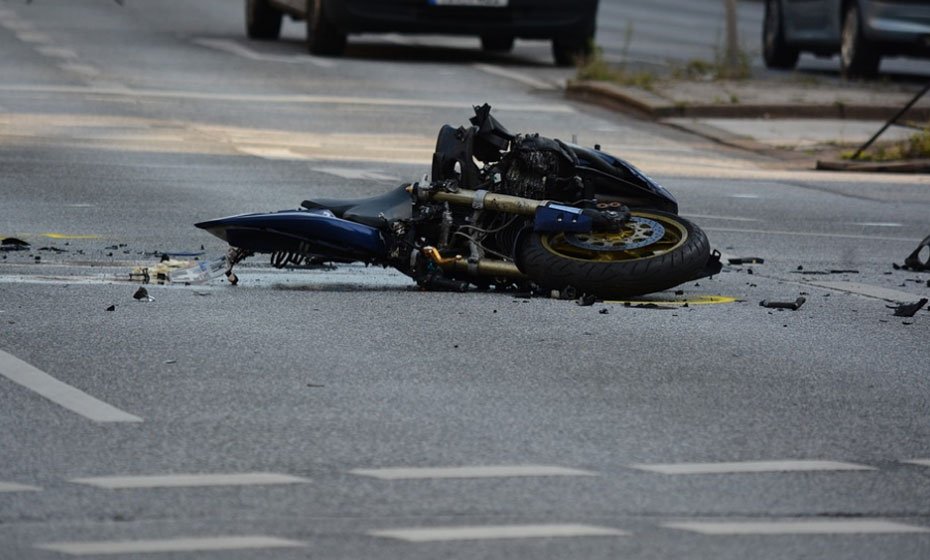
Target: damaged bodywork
(500, 210)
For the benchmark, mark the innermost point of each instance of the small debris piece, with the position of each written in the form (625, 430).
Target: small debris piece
(746, 260)
(604, 311)
(314, 385)
(913, 262)
(171, 362)
(824, 272)
(111, 308)
(792, 305)
(908, 309)
(52, 249)
(679, 292)
(586, 300)
(142, 294)
(13, 244)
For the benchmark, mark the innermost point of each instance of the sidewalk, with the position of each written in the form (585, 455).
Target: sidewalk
(790, 119)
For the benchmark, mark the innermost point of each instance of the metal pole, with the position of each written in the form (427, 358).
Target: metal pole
(897, 116)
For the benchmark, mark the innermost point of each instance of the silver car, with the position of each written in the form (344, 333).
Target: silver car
(861, 31)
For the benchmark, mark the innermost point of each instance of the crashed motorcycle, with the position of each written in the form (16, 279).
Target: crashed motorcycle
(501, 210)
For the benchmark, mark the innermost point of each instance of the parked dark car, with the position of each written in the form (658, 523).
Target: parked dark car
(569, 24)
(861, 31)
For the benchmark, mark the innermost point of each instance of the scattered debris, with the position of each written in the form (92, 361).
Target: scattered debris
(648, 306)
(908, 309)
(52, 249)
(13, 244)
(914, 262)
(178, 271)
(746, 260)
(834, 271)
(586, 300)
(142, 295)
(111, 308)
(792, 305)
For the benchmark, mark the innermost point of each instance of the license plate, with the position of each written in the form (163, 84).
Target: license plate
(475, 3)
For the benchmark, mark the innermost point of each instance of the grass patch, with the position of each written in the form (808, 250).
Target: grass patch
(915, 147)
(594, 67)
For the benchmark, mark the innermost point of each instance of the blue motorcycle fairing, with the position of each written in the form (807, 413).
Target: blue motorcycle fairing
(557, 217)
(314, 232)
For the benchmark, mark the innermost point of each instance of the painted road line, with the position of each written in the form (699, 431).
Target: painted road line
(188, 480)
(921, 462)
(434, 534)
(515, 76)
(169, 545)
(33, 37)
(60, 393)
(295, 99)
(14, 487)
(878, 224)
(749, 467)
(797, 527)
(676, 302)
(353, 173)
(237, 49)
(867, 290)
(502, 471)
(810, 234)
(57, 52)
(727, 218)
(272, 153)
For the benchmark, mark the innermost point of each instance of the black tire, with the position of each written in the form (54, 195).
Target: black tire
(497, 43)
(775, 49)
(679, 255)
(261, 20)
(858, 57)
(323, 37)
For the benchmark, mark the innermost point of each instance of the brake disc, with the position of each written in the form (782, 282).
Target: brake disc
(637, 232)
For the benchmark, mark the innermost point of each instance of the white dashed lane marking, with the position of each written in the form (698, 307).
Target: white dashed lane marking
(867, 290)
(60, 393)
(796, 527)
(14, 487)
(433, 534)
(920, 462)
(189, 480)
(242, 51)
(470, 472)
(750, 467)
(169, 545)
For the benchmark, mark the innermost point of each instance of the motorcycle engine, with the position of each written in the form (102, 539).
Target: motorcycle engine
(539, 168)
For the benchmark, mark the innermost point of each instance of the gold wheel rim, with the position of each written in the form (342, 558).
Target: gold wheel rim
(674, 237)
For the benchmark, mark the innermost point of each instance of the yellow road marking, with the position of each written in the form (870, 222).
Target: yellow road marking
(70, 236)
(675, 302)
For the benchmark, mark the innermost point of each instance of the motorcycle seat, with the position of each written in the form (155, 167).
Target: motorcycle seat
(374, 211)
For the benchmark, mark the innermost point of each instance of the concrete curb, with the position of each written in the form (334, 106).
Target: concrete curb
(911, 166)
(631, 99)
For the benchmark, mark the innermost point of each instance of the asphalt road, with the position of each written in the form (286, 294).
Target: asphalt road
(343, 414)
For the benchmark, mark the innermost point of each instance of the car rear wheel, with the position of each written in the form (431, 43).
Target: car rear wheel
(775, 50)
(567, 51)
(497, 43)
(261, 20)
(322, 36)
(858, 57)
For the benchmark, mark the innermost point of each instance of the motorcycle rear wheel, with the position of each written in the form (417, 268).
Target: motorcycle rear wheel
(655, 251)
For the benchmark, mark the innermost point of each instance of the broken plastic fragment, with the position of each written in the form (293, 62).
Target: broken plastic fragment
(792, 305)
(746, 260)
(142, 295)
(13, 244)
(200, 272)
(908, 309)
(914, 261)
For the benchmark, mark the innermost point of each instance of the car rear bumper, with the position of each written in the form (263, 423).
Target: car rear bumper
(521, 18)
